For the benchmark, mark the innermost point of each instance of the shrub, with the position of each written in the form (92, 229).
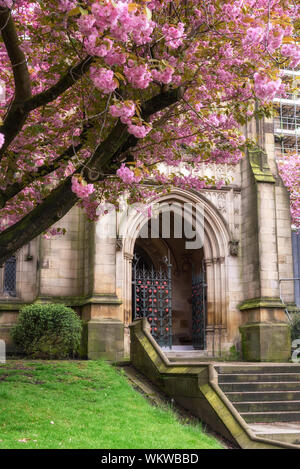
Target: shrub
(47, 331)
(296, 327)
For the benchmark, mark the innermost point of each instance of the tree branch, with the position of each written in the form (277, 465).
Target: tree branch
(120, 140)
(16, 56)
(67, 81)
(62, 199)
(52, 209)
(18, 113)
(13, 189)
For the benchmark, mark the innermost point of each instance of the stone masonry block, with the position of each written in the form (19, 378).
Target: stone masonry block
(266, 342)
(105, 339)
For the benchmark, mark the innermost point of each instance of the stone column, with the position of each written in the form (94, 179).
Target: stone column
(127, 299)
(210, 304)
(265, 333)
(104, 330)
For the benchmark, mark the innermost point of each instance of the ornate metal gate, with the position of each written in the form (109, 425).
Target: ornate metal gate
(152, 298)
(199, 310)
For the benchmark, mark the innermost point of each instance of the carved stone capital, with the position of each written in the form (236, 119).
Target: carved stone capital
(128, 256)
(119, 244)
(208, 262)
(234, 248)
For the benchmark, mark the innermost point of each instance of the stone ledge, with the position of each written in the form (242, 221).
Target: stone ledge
(261, 303)
(82, 300)
(259, 165)
(12, 306)
(68, 301)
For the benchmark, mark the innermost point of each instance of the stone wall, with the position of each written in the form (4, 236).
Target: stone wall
(247, 249)
(62, 266)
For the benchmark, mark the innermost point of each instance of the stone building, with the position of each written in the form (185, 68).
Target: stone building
(222, 298)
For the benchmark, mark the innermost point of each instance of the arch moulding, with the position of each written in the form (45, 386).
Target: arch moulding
(216, 251)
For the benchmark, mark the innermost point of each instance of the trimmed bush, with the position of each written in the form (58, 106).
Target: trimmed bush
(296, 327)
(47, 331)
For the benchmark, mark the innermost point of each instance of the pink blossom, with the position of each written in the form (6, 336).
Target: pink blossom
(293, 52)
(139, 131)
(81, 188)
(254, 36)
(115, 57)
(142, 50)
(265, 88)
(127, 176)
(103, 79)
(289, 169)
(66, 5)
(164, 76)
(86, 24)
(174, 36)
(98, 50)
(124, 110)
(139, 76)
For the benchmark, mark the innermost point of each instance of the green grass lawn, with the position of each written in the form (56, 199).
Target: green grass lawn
(73, 404)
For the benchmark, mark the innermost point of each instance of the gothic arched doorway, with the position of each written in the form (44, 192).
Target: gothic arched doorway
(169, 287)
(209, 264)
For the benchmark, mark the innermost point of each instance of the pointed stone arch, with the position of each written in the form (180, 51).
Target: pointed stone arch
(216, 251)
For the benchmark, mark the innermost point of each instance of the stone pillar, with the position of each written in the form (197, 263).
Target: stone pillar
(210, 313)
(104, 329)
(127, 298)
(105, 339)
(265, 332)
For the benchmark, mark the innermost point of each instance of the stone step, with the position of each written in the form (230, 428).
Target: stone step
(285, 432)
(268, 378)
(289, 437)
(188, 359)
(260, 417)
(267, 406)
(258, 369)
(263, 396)
(265, 386)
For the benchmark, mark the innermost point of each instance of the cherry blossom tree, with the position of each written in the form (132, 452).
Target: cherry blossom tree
(289, 169)
(101, 95)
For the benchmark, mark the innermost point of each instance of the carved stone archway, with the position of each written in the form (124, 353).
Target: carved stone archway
(216, 252)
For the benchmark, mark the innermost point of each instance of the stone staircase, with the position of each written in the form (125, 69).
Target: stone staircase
(266, 396)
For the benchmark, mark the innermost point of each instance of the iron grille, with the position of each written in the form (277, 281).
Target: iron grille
(10, 271)
(199, 310)
(152, 298)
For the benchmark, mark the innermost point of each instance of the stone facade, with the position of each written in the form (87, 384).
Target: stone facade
(247, 249)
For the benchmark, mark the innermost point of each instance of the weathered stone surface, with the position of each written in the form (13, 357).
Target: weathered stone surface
(193, 386)
(266, 342)
(105, 339)
(247, 249)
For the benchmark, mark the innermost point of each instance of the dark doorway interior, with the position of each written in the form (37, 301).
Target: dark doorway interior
(185, 309)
